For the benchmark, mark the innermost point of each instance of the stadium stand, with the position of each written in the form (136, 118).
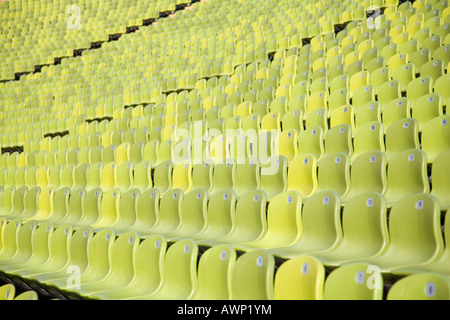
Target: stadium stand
(232, 149)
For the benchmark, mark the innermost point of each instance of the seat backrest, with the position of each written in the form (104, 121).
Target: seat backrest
(368, 173)
(401, 135)
(193, 212)
(436, 136)
(253, 276)
(300, 278)
(310, 141)
(214, 273)
(351, 282)
(147, 210)
(334, 173)
(423, 286)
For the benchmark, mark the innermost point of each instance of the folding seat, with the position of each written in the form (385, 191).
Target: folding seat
(405, 74)
(162, 176)
(419, 87)
(423, 286)
(109, 210)
(435, 137)
(401, 135)
(8, 292)
(94, 263)
(53, 254)
(395, 110)
(433, 68)
(317, 118)
(179, 278)
(317, 100)
(283, 222)
(441, 86)
(339, 82)
(215, 268)
(300, 278)
(389, 91)
(426, 108)
(345, 114)
(149, 266)
(321, 226)
(292, 120)
(33, 246)
(339, 139)
(368, 137)
(363, 95)
(376, 63)
(443, 52)
(408, 248)
(58, 206)
(439, 175)
(350, 282)
(256, 266)
(17, 242)
(261, 107)
(406, 174)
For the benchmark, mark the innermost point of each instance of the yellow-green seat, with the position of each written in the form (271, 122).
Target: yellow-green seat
(253, 276)
(401, 135)
(436, 136)
(147, 211)
(440, 175)
(365, 231)
(406, 175)
(7, 292)
(168, 217)
(284, 226)
(180, 273)
(27, 295)
(274, 176)
(354, 281)
(121, 266)
(149, 269)
(321, 226)
(409, 246)
(300, 278)
(423, 286)
(127, 210)
(214, 273)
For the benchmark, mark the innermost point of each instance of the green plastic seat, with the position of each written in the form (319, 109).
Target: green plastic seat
(162, 177)
(94, 264)
(193, 212)
(424, 286)
(250, 222)
(300, 278)
(401, 135)
(40, 246)
(440, 179)
(409, 246)
(147, 211)
(274, 178)
(247, 176)
(7, 292)
(149, 268)
(214, 273)
(365, 231)
(284, 226)
(76, 256)
(219, 216)
(436, 136)
(58, 253)
(321, 226)
(310, 141)
(121, 266)
(17, 241)
(223, 176)
(339, 139)
(253, 276)
(354, 281)
(109, 209)
(27, 295)
(179, 278)
(406, 175)
(334, 173)
(127, 210)
(367, 173)
(427, 107)
(169, 212)
(368, 137)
